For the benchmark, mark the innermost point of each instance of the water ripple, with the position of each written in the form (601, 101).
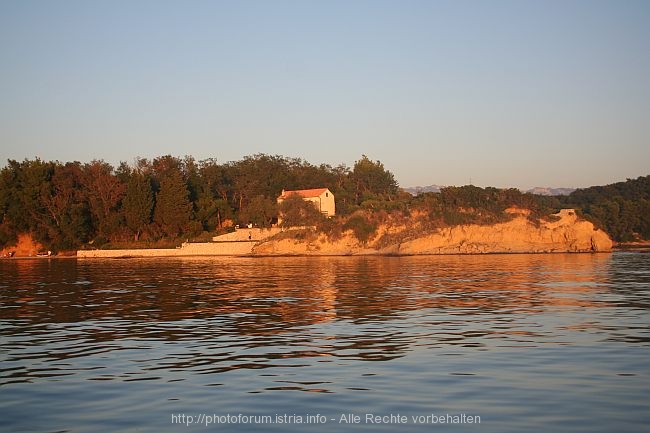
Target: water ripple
(486, 332)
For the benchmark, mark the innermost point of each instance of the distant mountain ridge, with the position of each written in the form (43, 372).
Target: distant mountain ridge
(540, 190)
(415, 190)
(547, 191)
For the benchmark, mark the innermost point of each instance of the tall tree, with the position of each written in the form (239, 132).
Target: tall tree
(260, 211)
(211, 207)
(8, 233)
(26, 211)
(257, 175)
(371, 181)
(68, 223)
(138, 203)
(215, 179)
(212, 212)
(173, 209)
(104, 192)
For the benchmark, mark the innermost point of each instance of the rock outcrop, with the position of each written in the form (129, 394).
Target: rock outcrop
(564, 233)
(25, 246)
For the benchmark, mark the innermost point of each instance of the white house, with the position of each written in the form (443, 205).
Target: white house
(322, 198)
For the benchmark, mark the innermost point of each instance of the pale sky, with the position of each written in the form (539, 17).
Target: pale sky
(505, 93)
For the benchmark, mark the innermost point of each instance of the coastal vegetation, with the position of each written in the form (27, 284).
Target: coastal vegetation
(167, 200)
(622, 209)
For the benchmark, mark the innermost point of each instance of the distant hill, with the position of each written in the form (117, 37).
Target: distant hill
(539, 190)
(415, 190)
(546, 191)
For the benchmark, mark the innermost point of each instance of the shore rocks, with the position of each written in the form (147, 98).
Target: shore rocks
(566, 233)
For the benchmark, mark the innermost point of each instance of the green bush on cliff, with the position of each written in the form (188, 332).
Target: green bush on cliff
(362, 228)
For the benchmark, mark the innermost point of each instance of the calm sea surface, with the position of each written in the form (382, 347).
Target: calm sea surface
(541, 343)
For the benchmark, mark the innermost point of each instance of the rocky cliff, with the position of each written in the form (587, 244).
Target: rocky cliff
(563, 233)
(25, 246)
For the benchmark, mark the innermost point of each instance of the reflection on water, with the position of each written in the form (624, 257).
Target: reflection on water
(513, 328)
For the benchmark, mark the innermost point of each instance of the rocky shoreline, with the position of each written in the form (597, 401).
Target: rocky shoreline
(566, 233)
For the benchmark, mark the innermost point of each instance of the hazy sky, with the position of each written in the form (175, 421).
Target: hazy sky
(505, 93)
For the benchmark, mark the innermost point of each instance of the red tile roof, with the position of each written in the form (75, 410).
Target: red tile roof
(304, 193)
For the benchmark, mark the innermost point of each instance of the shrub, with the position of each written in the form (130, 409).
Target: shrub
(361, 227)
(331, 227)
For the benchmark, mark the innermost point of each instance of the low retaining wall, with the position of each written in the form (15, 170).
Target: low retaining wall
(246, 234)
(187, 249)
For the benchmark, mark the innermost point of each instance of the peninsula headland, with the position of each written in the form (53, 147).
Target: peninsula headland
(566, 233)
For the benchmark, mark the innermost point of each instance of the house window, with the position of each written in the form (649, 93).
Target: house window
(327, 194)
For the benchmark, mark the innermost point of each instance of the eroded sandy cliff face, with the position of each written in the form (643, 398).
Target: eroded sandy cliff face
(25, 246)
(567, 233)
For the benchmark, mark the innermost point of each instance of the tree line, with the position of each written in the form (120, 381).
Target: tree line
(72, 205)
(69, 205)
(622, 209)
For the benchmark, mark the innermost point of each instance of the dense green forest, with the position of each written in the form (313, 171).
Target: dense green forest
(622, 209)
(72, 205)
(81, 205)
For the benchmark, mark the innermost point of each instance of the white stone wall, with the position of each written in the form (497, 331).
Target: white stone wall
(188, 249)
